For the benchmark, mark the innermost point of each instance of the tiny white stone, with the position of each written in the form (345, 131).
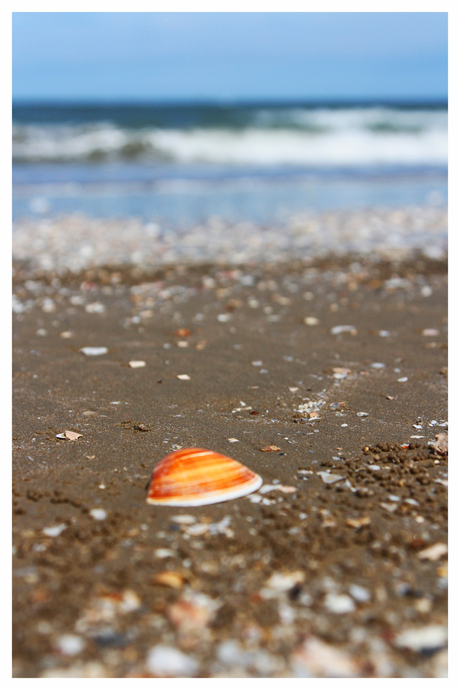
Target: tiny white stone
(430, 332)
(257, 363)
(339, 603)
(233, 440)
(359, 593)
(137, 363)
(71, 645)
(378, 365)
(337, 330)
(166, 661)
(223, 318)
(98, 513)
(163, 553)
(362, 414)
(384, 334)
(54, 531)
(183, 377)
(94, 351)
(311, 321)
(403, 379)
(95, 308)
(343, 425)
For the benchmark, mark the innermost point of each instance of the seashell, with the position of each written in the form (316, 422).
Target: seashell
(197, 477)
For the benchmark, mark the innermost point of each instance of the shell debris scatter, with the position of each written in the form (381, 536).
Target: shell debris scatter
(196, 477)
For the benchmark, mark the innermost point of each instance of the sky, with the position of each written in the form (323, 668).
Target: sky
(230, 56)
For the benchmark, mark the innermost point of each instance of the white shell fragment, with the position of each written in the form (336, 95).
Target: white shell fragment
(94, 351)
(54, 531)
(183, 377)
(137, 363)
(378, 365)
(311, 321)
(430, 332)
(362, 414)
(337, 330)
(339, 603)
(69, 435)
(330, 478)
(422, 639)
(71, 645)
(433, 553)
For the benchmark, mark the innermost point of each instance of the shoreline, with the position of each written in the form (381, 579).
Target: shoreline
(324, 580)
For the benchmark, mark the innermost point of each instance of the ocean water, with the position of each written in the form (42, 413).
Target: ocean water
(183, 164)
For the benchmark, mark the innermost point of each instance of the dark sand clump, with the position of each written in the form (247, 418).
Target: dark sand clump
(342, 579)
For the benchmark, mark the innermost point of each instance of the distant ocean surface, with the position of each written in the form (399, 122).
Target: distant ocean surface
(182, 164)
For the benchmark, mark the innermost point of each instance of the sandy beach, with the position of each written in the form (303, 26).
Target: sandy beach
(335, 358)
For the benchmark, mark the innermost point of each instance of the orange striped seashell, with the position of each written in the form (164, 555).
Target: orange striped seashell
(197, 477)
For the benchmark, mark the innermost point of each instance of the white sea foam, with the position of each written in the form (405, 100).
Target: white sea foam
(299, 136)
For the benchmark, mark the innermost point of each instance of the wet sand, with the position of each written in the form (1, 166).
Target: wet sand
(330, 578)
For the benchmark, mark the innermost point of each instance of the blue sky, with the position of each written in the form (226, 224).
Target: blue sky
(192, 56)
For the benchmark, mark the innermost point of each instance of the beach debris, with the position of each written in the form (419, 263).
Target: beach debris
(425, 639)
(191, 614)
(183, 519)
(196, 477)
(267, 449)
(279, 583)
(390, 397)
(98, 513)
(389, 507)
(94, 351)
(337, 330)
(340, 373)
(183, 377)
(362, 414)
(137, 363)
(70, 645)
(169, 662)
(433, 553)
(360, 594)
(441, 445)
(339, 603)
(430, 332)
(311, 321)
(315, 658)
(358, 522)
(164, 553)
(267, 488)
(175, 579)
(54, 531)
(329, 478)
(69, 435)
(233, 440)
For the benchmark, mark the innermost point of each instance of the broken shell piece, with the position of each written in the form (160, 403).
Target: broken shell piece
(340, 372)
(269, 448)
(137, 363)
(311, 321)
(183, 377)
(196, 477)
(433, 553)
(170, 578)
(330, 478)
(69, 435)
(358, 522)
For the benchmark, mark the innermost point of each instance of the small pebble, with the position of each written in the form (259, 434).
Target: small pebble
(339, 603)
(98, 513)
(54, 531)
(403, 379)
(183, 377)
(71, 645)
(169, 662)
(422, 639)
(337, 330)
